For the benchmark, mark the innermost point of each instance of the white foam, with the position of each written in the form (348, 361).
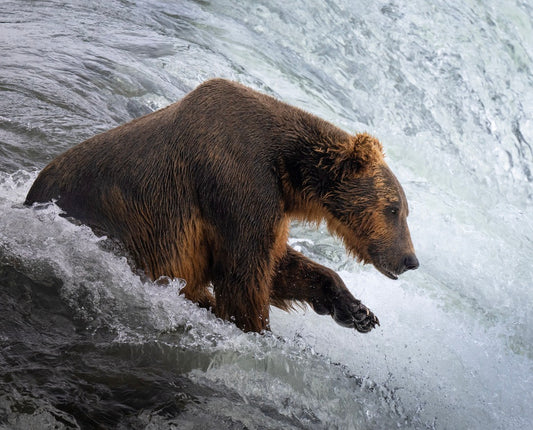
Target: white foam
(439, 351)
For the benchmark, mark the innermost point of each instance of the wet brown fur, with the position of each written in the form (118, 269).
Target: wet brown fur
(205, 189)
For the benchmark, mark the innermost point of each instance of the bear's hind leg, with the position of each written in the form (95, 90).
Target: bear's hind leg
(298, 278)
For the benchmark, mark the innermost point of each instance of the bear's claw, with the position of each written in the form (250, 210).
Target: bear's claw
(353, 314)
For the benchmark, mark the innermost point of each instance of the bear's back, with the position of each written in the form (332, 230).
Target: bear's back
(220, 141)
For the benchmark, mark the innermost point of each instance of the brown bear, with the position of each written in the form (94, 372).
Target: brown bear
(205, 188)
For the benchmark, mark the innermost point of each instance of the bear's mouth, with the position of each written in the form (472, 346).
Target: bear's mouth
(382, 264)
(386, 272)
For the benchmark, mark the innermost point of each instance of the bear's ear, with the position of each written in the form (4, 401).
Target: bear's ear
(353, 156)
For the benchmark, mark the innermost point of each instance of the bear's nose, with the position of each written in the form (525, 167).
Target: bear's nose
(410, 262)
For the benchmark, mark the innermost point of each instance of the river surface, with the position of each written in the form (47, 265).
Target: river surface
(448, 89)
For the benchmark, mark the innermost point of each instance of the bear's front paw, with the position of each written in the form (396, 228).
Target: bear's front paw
(353, 314)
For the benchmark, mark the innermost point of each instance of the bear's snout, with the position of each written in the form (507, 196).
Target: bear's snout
(410, 262)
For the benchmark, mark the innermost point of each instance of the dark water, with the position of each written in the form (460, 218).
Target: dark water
(58, 372)
(86, 343)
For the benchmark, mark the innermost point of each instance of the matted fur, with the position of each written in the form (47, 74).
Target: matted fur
(205, 189)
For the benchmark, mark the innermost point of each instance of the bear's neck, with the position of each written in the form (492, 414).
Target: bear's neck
(305, 137)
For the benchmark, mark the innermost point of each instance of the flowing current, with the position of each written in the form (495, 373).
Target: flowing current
(448, 89)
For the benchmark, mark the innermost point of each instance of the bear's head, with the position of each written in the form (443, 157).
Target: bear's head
(366, 205)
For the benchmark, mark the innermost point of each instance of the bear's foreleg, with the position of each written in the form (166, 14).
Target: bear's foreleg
(199, 294)
(298, 278)
(243, 298)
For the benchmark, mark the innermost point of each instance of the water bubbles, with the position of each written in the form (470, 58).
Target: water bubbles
(448, 91)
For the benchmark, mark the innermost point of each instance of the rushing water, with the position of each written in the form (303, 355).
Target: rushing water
(447, 87)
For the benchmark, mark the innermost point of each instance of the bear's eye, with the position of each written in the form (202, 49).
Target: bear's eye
(394, 210)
